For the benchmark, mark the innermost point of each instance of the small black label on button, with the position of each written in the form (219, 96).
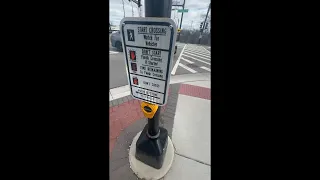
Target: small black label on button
(147, 108)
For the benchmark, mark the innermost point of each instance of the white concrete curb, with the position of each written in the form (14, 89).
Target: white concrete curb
(123, 91)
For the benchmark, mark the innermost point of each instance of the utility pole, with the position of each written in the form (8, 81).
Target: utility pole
(124, 12)
(174, 15)
(184, 1)
(151, 146)
(138, 2)
(204, 24)
(132, 10)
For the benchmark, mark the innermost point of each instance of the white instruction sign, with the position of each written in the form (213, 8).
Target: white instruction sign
(148, 45)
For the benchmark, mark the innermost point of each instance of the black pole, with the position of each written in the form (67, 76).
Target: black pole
(151, 146)
(153, 124)
(156, 8)
(181, 19)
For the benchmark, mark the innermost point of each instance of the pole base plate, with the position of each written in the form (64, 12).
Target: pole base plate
(152, 151)
(144, 171)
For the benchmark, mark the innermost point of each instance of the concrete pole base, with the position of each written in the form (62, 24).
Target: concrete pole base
(146, 172)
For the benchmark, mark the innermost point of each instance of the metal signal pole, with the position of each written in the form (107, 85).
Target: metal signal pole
(184, 1)
(204, 24)
(151, 146)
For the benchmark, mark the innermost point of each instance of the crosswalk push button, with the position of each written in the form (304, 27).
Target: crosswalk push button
(149, 109)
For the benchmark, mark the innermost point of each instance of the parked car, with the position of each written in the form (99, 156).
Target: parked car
(117, 42)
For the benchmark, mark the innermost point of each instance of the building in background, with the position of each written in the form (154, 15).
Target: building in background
(113, 28)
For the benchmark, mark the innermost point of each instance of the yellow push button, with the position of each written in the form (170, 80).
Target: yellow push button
(148, 109)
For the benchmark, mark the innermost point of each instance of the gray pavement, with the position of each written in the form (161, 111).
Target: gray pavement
(117, 69)
(194, 59)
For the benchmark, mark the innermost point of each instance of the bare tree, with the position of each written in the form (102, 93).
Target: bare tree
(203, 16)
(192, 37)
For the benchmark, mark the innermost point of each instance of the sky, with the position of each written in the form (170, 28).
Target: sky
(191, 19)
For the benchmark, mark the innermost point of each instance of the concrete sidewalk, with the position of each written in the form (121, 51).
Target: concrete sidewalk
(186, 116)
(191, 133)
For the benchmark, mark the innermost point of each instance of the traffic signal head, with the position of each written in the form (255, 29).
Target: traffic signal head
(201, 25)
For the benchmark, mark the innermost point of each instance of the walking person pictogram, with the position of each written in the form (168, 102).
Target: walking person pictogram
(130, 34)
